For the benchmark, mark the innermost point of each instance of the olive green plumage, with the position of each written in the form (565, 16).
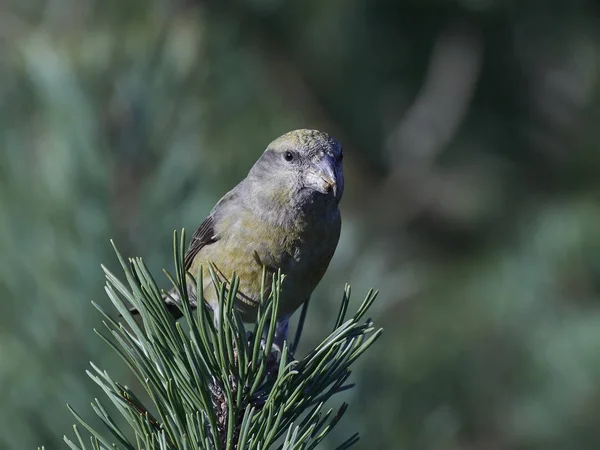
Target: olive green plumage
(283, 215)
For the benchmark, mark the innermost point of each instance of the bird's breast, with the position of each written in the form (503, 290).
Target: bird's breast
(302, 249)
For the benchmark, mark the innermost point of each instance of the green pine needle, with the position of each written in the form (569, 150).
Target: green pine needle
(220, 388)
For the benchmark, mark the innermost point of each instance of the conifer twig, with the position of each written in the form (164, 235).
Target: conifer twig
(222, 387)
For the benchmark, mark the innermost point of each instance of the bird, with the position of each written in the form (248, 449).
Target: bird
(283, 216)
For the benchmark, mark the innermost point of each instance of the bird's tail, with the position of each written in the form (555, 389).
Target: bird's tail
(171, 307)
(170, 303)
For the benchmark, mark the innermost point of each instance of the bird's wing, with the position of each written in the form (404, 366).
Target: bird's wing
(203, 236)
(206, 233)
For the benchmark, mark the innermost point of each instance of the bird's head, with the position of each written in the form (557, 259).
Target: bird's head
(300, 167)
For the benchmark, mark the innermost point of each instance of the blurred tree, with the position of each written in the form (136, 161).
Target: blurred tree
(472, 181)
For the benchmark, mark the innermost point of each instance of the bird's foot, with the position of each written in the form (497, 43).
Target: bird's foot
(278, 350)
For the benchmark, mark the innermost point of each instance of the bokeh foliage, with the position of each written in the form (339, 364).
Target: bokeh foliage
(472, 163)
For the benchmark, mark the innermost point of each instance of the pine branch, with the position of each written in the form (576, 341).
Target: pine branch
(217, 387)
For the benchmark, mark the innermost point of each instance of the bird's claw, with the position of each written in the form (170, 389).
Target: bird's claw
(275, 348)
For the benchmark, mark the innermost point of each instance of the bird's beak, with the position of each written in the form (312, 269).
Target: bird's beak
(322, 178)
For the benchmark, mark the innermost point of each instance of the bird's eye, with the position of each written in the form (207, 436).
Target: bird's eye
(288, 156)
(341, 155)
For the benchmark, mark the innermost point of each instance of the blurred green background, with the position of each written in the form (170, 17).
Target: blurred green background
(472, 162)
